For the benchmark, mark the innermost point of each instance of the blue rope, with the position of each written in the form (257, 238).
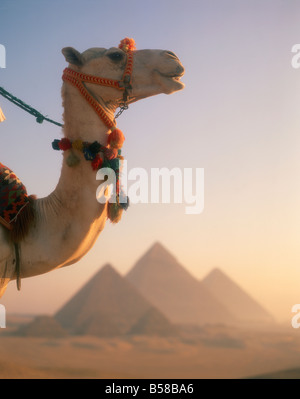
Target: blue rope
(39, 117)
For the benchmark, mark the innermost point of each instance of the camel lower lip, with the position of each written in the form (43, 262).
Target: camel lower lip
(175, 79)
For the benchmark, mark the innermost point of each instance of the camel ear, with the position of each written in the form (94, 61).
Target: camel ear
(72, 56)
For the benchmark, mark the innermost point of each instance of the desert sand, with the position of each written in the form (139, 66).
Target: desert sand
(158, 322)
(210, 352)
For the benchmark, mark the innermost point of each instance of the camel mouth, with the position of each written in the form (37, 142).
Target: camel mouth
(172, 81)
(176, 76)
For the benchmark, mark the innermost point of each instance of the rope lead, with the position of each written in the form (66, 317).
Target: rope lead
(40, 118)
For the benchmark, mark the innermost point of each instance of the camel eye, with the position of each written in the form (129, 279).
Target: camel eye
(117, 56)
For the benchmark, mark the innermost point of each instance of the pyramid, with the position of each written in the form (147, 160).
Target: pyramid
(240, 304)
(108, 305)
(153, 322)
(174, 291)
(42, 326)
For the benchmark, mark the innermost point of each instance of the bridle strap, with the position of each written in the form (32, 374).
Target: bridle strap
(128, 69)
(78, 79)
(75, 81)
(83, 77)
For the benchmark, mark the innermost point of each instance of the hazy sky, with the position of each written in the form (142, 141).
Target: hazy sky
(238, 118)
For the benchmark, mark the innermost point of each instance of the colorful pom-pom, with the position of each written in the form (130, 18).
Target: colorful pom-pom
(88, 155)
(55, 144)
(72, 159)
(110, 153)
(114, 164)
(77, 145)
(65, 144)
(97, 162)
(95, 147)
(127, 44)
(116, 138)
(105, 163)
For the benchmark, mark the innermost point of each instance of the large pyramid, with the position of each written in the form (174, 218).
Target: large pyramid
(109, 305)
(240, 304)
(153, 322)
(174, 291)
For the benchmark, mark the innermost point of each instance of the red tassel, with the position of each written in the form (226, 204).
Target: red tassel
(116, 138)
(114, 212)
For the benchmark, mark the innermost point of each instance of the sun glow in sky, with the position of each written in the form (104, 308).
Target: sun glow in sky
(238, 118)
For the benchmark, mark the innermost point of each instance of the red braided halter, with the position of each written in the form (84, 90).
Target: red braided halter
(77, 79)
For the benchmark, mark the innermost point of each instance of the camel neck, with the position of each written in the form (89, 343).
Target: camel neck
(68, 221)
(70, 218)
(80, 120)
(77, 185)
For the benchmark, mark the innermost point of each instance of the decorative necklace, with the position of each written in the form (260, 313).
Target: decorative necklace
(100, 157)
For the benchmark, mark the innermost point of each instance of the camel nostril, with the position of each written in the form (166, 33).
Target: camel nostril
(180, 70)
(170, 53)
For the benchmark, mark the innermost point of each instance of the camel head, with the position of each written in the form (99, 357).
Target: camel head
(153, 72)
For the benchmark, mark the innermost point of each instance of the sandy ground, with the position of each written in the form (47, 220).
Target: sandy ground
(213, 353)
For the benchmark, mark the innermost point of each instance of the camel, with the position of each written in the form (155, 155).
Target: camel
(68, 221)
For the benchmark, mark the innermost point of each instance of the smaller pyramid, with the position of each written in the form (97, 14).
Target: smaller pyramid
(42, 326)
(239, 303)
(108, 305)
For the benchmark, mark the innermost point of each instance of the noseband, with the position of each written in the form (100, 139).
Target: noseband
(78, 79)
